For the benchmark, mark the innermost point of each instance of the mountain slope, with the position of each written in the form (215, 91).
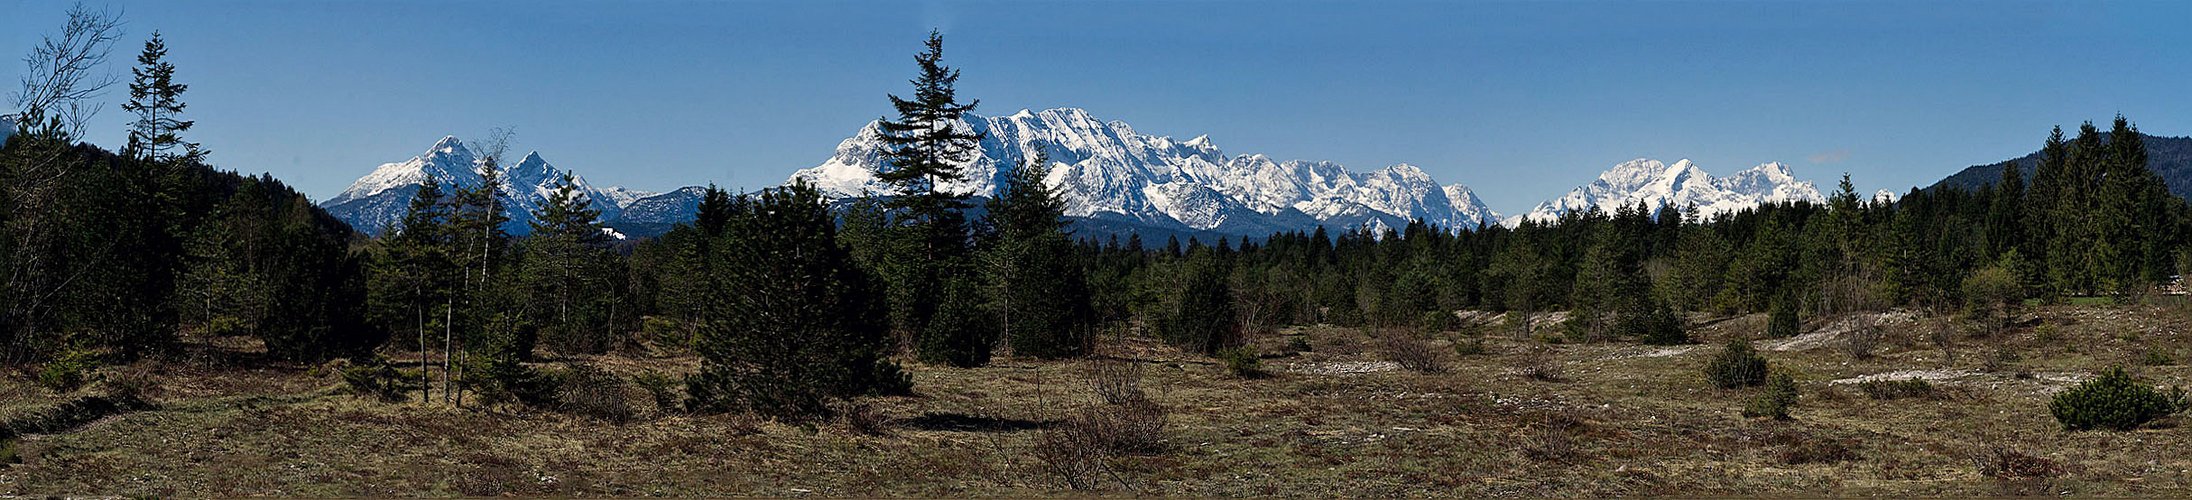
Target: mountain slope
(2169, 157)
(1679, 186)
(1107, 172)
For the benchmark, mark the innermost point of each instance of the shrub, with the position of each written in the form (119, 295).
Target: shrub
(1737, 366)
(1079, 449)
(1798, 448)
(68, 371)
(1991, 295)
(1539, 364)
(2113, 401)
(1554, 439)
(1657, 325)
(2155, 357)
(1242, 362)
(1116, 381)
(1471, 347)
(2004, 463)
(863, 418)
(1412, 352)
(375, 378)
(662, 389)
(1298, 343)
(593, 392)
(1775, 400)
(1437, 321)
(1896, 389)
(1860, 342)
(1783, 322)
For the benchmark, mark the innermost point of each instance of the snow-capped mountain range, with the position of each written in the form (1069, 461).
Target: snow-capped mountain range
(1679, 186)
(1113, 180)
(1108, 172)
(375, 202)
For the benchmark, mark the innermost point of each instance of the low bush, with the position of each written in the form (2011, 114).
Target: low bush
(1116, 381)
(69, 370)
(1775, 401)
(1079, 450)
(1540, 364)
(1896, 389)
(1554, 439)
(375, 378)
(2004, 463)
(1437, 321)
(1737, 365)
(1861, 342)
(1798, 448)
(2113, 401)
(1242, 362)
(590, 391)
(1471, 347)
(1413, 352)
(663, 389)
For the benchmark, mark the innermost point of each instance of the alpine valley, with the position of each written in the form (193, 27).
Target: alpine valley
(1115, 181)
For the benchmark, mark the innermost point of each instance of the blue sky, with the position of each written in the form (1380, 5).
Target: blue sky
(1520, 100)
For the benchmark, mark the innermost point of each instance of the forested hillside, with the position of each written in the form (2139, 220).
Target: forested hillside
(2168, 157)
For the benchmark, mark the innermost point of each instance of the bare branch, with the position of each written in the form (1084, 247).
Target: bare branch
(59, 76)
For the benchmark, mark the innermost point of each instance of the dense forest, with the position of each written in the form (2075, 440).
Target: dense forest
(791, 306)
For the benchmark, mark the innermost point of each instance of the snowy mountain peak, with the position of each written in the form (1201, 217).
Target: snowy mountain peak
(449, 145)
(1109, 172)
(378, 199)
(1679, 185)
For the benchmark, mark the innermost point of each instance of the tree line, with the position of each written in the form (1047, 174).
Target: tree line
(793, 301)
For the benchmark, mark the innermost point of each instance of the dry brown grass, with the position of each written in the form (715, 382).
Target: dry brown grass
(1643, 424)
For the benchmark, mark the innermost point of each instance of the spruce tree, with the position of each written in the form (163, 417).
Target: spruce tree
(570, 266)
(806, 326)
(2004, 222)
(923, 150)
(156, 99)
(1036, 286)
(410, 273)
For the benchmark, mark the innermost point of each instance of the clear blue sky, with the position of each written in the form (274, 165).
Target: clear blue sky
(1522, 101)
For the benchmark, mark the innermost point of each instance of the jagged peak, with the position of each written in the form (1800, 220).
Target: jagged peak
(448, 144)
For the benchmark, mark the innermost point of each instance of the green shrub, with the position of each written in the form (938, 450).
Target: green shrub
(1775, 400)
(1657, 326)
(68, 371)
(1242, 362)
(1896, 389)
(375, 378)
(2113, 401)
(1737, 366)
(1437, 321)
(1783, 323)
(2155, 357)
(662, 389)
(1471, 347)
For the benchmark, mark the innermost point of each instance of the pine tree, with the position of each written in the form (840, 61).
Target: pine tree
(923, 149)
(2041, 226)
(806, 326)
(2004, 223)
(1037, 288)
(410, 273)
(478, 308)
(570, 265)
(157, 100)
